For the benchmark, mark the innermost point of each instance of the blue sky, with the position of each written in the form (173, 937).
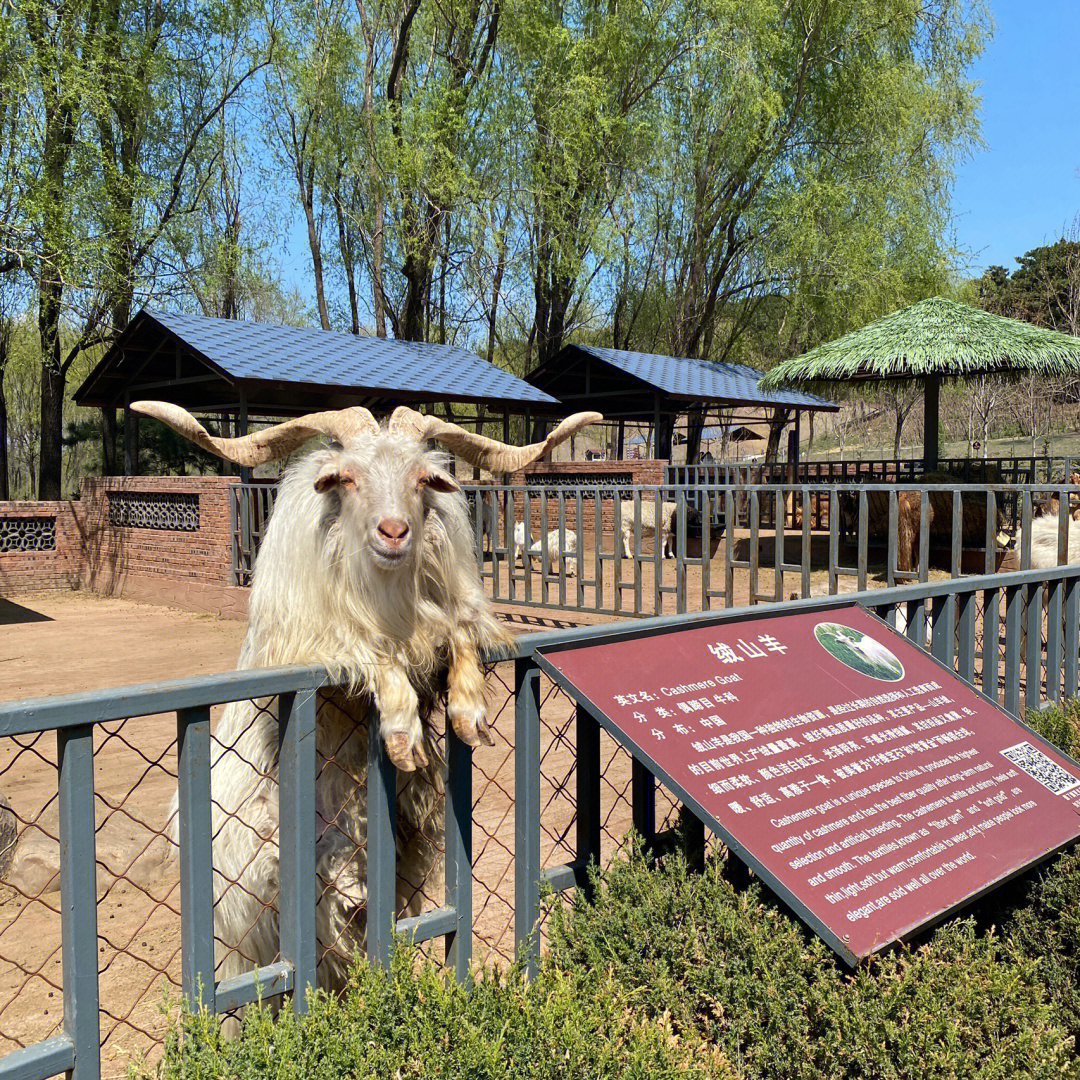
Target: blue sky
(1024, 188)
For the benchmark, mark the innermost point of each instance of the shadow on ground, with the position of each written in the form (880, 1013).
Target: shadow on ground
(11, 613)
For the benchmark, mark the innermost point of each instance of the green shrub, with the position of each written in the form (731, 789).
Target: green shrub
(413, 1022)
(731, 968)
(1060, 724)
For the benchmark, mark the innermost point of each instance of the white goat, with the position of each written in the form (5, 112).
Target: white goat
(520, 550)
(534, 552)
(648, 525)
(557, 553)
(367, 568)
(1044, 540)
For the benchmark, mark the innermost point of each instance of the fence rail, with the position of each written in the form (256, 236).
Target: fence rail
(1011, 470)
(593, 547)
(1016, 636)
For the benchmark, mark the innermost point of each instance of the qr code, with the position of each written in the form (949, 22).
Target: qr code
(1037, 765)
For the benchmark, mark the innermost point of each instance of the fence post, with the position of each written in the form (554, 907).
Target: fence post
(643, 801)
(459, 852)
(527, 808)
(78, 897)
(296, 794)
(381, 848)
(196, 858)
(588, 796)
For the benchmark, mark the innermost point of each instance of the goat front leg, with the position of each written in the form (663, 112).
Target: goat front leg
(466, 704)
(399, 719)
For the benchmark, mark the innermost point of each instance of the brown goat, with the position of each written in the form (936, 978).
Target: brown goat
(939, 512)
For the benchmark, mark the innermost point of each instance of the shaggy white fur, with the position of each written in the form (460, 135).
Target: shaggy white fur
(648, 525)
(397, 620)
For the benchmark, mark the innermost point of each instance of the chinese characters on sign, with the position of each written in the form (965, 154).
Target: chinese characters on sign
(872, 789)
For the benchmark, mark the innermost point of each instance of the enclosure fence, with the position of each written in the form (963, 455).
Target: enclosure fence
(120, 814)
(653, 550)
(1034, 469)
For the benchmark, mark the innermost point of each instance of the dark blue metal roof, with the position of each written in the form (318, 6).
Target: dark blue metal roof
(701, 380)
(259, 351)
(282, 369)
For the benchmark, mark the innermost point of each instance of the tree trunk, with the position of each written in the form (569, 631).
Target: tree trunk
(776, 430)
(5, 489)
(50, 457)
(131, 443)
(315, 245)
(695, 422)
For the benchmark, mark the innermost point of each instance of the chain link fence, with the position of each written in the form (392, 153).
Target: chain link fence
(135, 767)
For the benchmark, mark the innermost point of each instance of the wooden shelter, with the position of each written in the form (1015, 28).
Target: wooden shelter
(234, 369)
(647, 388)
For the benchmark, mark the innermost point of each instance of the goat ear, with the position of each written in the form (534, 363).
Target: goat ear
(333, 474)
(437, 480)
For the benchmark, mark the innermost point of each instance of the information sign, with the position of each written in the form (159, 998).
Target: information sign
(869, 786)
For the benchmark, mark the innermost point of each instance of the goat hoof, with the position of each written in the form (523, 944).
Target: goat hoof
(400, 751)
(470, 724)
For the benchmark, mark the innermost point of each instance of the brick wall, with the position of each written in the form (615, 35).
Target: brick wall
(57, 567)
(625, 473)
(161, 538)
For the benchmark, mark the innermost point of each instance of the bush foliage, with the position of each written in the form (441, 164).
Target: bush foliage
(672, 973)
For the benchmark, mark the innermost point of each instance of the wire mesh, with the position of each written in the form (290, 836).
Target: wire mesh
(137, 866)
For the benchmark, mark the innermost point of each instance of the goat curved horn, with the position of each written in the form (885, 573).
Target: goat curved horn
(275, 442)
(496, 457)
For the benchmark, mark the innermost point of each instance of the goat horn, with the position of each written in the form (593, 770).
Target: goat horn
(496, 457)
(275, 442)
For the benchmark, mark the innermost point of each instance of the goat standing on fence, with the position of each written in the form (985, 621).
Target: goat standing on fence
(368, 568)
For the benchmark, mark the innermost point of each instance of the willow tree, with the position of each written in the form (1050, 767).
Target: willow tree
(807, 154)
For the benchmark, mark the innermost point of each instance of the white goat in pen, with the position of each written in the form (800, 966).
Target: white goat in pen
(668, 511)
(367, 568)
(534, 551)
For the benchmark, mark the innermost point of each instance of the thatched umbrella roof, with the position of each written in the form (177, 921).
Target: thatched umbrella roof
(933, 338)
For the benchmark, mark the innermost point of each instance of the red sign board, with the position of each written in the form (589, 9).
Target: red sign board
(873, 789)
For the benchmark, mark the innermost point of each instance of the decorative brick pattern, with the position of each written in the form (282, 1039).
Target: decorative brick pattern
(552, 475)
(27, 534)
(40, 547)
(177, 512)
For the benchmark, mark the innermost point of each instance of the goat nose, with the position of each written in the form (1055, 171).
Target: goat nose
(394, 529)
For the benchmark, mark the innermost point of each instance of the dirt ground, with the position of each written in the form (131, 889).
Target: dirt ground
(68, 642)
(74, 641)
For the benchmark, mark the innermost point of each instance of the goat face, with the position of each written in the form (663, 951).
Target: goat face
(380, 492)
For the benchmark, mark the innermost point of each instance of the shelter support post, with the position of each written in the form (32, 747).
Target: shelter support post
(108, 441)
(131, 442)
(931, 405)
(242, 429)
(620, 452)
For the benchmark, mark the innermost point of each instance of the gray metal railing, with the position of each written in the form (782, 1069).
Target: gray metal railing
(1016, 636)
(584, 548)
(1007, 470)
(75, 719)
(729, 544)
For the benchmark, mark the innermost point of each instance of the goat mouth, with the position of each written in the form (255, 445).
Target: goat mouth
(389, 558)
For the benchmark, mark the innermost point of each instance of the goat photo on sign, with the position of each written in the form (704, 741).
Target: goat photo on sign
(368, 569)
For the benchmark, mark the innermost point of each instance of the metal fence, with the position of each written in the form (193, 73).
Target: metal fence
(1007, 470)
(595, 547)
(656, 550)
(119, 814)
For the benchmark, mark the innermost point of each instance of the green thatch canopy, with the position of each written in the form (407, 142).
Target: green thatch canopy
(930, 341)
(933, 338)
